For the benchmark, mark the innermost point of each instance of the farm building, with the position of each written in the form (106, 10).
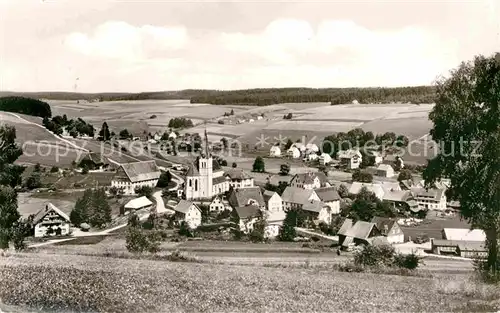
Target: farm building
(311, 148)
(275, 152)
(385, 170)
(238, 178)
(359, 233)
(50, 221)
(187, 211)
(217, 205)
(172, 135)
(157, 136)
(325, 159)
(330, 197)
(300, 146)
(247, 196)
(318, 210)
(375, 188)
(311, 157)
(389, 228)
(430, 199)
(309, 180)
(135, 175)
(350, 158)
(459, 234)
(293, 153)
(94, 161)
(472, 249)
(295, 197)
(378, 157)
(398, 198)
(138, 203)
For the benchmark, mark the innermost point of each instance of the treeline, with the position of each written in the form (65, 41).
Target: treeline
(74, 128)
(26, 106)
(263, 97)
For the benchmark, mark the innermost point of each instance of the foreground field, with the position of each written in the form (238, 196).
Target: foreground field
(96, 284)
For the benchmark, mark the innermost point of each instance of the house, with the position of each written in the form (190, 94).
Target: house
(187, 211)
(152, 141)
(311, 157)
(318, 210)
(293, 152)
(350, 158)
(259, 117)
(94, 161)
(238, 178)
(135, 175)
(217, 205)
(51, 221)
(157, 136)
(275, 152)
(330, 197)
(389, 228)
(300, 146)
(375, 188)
(138, 204)
(472, 249)
(273, 201)
(172, 135)
(325, 159)
(378, 158)
(385, 170)
(430, 199)
(309, 180)
(359, 233)
(295, 197)
(398, 198)
(246, 196)
(464, 234)
(248, 215)
(311, 148)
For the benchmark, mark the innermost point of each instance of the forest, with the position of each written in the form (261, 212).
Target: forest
(262, 97)
(26, 106)
(74, 128)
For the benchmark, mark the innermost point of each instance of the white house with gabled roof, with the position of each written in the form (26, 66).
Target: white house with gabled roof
(135, 175)
(189, 212)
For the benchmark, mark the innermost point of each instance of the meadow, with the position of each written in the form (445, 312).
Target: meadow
(51, 282)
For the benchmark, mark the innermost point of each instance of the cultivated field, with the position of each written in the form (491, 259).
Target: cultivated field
(97, 284)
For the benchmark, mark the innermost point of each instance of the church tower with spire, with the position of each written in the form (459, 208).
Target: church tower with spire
(205, 164)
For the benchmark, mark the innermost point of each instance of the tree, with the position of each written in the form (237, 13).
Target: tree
(280, 188)
(288, 144)
(232, 112)
(144, 191)
(234, 165)
(33, 181)
(164, 180)
(366, 205)
(224, 142)
(8, 214)
(10, 151)
(284, 169)
(37, 168)
(104, 133)
(467, 115)
(124, 134)
(343, 191)
(54, 169)
(287, 232)
(92, 208)
(362, 176)
(405, 174)
(259, 165)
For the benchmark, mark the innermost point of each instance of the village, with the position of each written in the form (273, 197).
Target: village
(201, 194)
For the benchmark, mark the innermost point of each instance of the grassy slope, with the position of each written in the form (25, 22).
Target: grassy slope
(119, 285)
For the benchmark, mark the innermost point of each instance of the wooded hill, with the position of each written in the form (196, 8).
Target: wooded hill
(260, 97)
(26, 106)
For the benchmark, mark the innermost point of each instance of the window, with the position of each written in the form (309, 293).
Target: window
(190, 183)
(196, 185)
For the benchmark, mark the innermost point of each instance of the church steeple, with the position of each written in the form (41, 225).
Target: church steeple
(207, 155)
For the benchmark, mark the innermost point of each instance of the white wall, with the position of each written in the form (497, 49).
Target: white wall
(41, 230)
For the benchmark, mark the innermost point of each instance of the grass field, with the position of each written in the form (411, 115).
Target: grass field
(97, 284)
(434, 228)
(28, 205)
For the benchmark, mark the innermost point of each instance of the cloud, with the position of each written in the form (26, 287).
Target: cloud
(120, 40)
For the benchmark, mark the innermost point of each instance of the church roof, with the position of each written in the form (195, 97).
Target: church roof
(193, 171)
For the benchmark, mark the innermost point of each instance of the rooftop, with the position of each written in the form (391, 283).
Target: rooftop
(141, 171)
(45, 210)
(243, 196)
(183, 206)
(296, 195)
(138, 203)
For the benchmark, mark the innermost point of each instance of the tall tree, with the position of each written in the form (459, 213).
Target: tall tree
(104, 133)
(10, 174)
(8, 214)
(259, 165)
(466, 121)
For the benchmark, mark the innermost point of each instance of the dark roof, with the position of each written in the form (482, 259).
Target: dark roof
(218, 180)
(183, 206)
(247, 211)
(193, 171)
(97, 158)
(472, 246)
(308, 178)
(139, 171)
(240, 197)
(327, 194)
(435, 194)
(46, 210)
(236, 174)
(384, 224)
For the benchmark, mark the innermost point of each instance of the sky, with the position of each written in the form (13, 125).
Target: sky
(153, 45)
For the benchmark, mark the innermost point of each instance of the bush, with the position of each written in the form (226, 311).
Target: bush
(409, 261)
(33, 181)
(54, 169)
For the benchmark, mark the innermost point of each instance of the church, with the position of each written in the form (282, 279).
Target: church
(205, 178)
